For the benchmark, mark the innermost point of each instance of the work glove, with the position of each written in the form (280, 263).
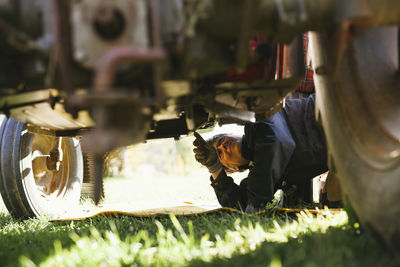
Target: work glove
(205, 154)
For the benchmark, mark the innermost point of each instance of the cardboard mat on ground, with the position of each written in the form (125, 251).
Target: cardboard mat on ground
(184, 208)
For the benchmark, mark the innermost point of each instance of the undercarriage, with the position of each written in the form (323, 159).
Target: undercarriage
(94, 75)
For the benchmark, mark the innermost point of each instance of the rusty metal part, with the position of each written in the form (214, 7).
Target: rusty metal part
(293, 61)
(225, 111)
(98, 160)
(20, 40)
(108, 98)
(254, 86)
(243, 41)
(109, 22)
(43, 109)
(156, 39)
(100, 25)
(50, 179)
(280, 61)
(88, 186)
(56, 156)
(102, 139)
(283, 19)
(50, 96)
(62, 51)
(103, 83)
(266, 96)
(155, 23)
(189, 117)
(57, 133)
(107, 66)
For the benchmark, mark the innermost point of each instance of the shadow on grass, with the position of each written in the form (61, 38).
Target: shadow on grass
(34, 238)
(336, 247)
(31, 238)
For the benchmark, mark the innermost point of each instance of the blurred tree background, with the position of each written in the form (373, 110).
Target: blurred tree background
(166, 156)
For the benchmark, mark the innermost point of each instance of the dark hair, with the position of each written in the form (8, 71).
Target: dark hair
(215, 139)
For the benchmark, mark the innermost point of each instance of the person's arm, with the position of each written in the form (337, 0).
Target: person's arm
(228, 193)
(214, 175)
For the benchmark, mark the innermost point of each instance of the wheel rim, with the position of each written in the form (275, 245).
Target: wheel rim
(50, 184)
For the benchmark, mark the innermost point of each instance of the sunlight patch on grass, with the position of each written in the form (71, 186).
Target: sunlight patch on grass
(176, 246)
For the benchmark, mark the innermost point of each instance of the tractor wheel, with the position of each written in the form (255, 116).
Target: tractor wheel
(358, 103)
(28, 186)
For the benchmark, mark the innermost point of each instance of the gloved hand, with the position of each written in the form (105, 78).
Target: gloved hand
(205, 154)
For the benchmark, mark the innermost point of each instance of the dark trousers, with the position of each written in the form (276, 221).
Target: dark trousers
(298, 194)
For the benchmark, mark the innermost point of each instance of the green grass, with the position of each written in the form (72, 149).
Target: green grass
(224, 239)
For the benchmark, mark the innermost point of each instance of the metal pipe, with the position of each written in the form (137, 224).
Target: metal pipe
(106, 69)
(104, 78)
(242, 44)
(62, 42)
(156, 38)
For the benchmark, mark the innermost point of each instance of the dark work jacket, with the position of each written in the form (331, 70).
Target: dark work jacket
(289, 147)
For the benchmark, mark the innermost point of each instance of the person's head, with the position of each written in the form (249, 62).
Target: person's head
(229, 151)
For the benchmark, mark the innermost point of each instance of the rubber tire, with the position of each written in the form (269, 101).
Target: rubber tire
(17, 184)
(371, 186)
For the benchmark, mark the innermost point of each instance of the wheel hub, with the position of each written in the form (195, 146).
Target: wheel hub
(49, 165)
